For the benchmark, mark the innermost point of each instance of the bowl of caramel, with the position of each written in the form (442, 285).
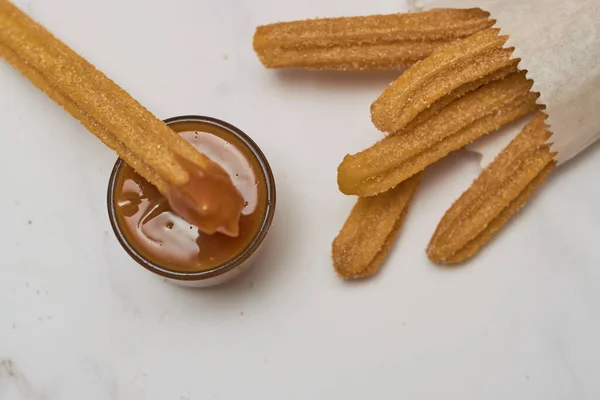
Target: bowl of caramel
(162, 242)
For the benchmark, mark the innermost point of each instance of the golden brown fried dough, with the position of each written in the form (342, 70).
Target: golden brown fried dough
(398, 157)
(121, 122)
(370, 230)
(357, 43)
(439, 105)
(498, 193)
(86, 120)
(463, 62)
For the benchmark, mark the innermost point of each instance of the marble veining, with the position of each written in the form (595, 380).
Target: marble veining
(13, 382)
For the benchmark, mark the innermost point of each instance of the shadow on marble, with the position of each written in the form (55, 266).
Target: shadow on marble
(264, 274)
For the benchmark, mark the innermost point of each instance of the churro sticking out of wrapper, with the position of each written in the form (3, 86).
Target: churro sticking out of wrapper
(470, 88)
(496, 195)
(557, 42)
(398, 157)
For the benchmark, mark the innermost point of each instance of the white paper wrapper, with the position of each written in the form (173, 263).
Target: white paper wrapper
(558, 42)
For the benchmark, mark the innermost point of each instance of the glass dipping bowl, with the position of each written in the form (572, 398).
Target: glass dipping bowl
(229, 269)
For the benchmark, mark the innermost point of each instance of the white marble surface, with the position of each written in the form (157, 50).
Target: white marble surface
(80, 320)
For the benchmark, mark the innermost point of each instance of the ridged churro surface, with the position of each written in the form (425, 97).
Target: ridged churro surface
(122, 123)
(110, 105)
(398, 157)
(371, 42)
(439, 105)
(370, 230)
(498, 193)
(86, 120)
(462, 62)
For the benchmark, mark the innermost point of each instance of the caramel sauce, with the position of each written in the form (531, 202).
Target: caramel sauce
(162, 236)
(207, 200)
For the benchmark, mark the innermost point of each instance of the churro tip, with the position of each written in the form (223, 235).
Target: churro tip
(343, 185)
(370, 231)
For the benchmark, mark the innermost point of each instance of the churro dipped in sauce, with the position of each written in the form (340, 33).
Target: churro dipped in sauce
(197, 188)
(159, 229)
(208, 199)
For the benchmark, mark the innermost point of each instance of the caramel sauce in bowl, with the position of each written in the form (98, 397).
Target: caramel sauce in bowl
(163, 242)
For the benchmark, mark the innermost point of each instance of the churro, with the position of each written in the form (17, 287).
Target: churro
(359, 43)
(90, 123)
(461, 92)
(398, 157)
(498, 193)
(197, 188)
(370, 230)
(475, 60)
